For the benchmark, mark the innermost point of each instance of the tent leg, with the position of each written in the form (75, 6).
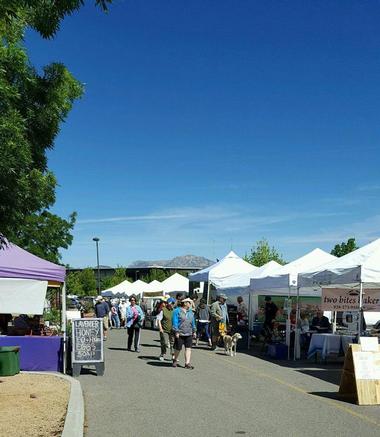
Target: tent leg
(63, 315)
(249, 320)
(288, 325)
(296, 331)
(208, 292)
(360, 310)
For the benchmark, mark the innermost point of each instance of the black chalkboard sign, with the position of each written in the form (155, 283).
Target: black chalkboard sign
(87, 341)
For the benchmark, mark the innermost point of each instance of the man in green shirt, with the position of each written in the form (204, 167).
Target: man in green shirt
(164, 321)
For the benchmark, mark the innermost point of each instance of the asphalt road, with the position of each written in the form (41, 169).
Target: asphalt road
(223, 396)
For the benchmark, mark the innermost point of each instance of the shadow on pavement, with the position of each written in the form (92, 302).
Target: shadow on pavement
(326, 371)
(150, 345)
(334, 396)
(159, 364)
(328, 375)
(148, 357)
(87, 371)
(117, 348)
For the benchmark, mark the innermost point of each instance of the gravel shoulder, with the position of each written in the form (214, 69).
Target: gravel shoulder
(33, 405)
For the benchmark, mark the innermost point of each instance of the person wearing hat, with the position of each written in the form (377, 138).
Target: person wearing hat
(101, 311)
(219, 319)
(184, 328)
(122, 309)
(164, 322)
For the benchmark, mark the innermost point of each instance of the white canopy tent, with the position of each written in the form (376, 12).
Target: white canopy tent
(239, 283)
(176, 283)
(155, 290)
(122, 289)
(359, 270)
(361, 266)
(138, 287)
(224, 273)
(155, 286)
(284, 281)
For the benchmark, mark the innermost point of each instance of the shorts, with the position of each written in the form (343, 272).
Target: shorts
(183, 340)
(105, 323)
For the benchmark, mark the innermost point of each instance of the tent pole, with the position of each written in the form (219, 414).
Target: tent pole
(249, 319)
(288, 324)
(360, 309)
(334, 322)
(63, 316)
(296, 330)
(208, 292)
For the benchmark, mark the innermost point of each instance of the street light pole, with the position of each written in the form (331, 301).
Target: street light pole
(96, 239)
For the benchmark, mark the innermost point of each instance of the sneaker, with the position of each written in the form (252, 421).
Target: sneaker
(161, 358)
(137, 350)
(175, 363)
(189, 366)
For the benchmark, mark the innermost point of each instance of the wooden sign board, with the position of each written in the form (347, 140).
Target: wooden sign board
(361, 375)
(87, 344)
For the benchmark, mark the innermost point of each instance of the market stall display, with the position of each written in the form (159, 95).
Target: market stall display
(37, 353)
(24, 278)
(329, 344)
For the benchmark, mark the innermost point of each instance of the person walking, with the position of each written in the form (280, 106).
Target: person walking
(134, 320)
(184, 328)
(115, 315)
(219, 319)
(123, 309)
(202, 316)
(164, 322)
(101, 311)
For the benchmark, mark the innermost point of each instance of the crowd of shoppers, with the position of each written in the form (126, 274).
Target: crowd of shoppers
(180, 321)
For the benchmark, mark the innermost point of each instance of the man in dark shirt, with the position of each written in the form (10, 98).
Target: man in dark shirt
(270, 312)
(320, 323)
(101, 311)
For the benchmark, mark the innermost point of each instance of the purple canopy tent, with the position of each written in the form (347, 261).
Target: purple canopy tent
(18, 263)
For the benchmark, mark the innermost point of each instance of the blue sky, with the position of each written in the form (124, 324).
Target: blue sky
(207, 125)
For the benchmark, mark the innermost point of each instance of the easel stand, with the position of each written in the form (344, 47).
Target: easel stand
(77, 367)
(361, 376)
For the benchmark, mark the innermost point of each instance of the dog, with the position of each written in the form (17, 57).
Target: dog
(230, 342)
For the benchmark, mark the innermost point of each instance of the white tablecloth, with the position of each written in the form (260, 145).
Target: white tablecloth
(328, 344)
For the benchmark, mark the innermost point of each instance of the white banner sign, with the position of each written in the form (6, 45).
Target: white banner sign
(339, 299)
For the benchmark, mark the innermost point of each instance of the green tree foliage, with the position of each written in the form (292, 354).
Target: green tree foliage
(43, 234)
(74, 284)
(33, 105)
(344, 248)
(263, 253)
(118, 277)
(44, 16)
(81, 283)
(155, 275)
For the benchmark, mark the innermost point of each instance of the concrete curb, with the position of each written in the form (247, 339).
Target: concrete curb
(74, 421)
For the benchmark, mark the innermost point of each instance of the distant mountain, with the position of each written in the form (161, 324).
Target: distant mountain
(186, 261)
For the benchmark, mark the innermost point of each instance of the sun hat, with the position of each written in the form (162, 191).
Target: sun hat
(187, 300)
(171, 300)
(223, 296)
(99, 298)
